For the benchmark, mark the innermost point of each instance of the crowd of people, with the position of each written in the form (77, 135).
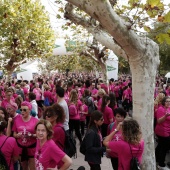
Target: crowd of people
(35, 115)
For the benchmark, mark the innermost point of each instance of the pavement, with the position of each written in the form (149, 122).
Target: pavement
(79, 161)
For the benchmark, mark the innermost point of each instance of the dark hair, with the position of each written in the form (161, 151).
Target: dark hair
(96, 115)
(3, 124)
(164, 100)
(120, 111)
(48, 127)
(32, 96)
(112, 103)
(5, 113)
(60, 91)
(86, 93)
(105, 99)
(59, 111)
(48, 109)
(87, 83)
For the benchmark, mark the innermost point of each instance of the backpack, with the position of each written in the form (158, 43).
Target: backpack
(46, 102)
(72, 110)
(90, 104)
(83, 143)
(110, 127)
(3, 162)
(69, 145)
(134, 162)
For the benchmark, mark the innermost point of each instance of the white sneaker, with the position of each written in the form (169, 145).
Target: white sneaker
(162, 168)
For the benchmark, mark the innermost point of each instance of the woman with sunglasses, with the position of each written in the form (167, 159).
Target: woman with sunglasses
(93, 141)
(24, 132)
(48, 155)
(55, 115)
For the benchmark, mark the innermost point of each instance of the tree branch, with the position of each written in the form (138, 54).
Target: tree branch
(98, 32)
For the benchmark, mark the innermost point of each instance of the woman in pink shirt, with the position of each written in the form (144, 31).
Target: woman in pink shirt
(162, 131)
(8, 146)
(131, 145)
(38, 93)
(24, 132)
(48, 155)
(8, 98)
(74, 114)
(55, 115)
(157, 104)
(48, 94)
(107, 114)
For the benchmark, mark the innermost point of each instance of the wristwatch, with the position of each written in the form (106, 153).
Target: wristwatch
(115, 130)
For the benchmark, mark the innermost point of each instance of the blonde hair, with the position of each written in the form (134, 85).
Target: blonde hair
(101, 92)
(73, 96)
(159, 98)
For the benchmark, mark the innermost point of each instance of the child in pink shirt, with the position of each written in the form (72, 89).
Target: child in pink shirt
(130, 146)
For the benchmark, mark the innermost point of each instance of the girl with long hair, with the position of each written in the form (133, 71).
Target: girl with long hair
(107, 114)
(74, 114)
(93, 142)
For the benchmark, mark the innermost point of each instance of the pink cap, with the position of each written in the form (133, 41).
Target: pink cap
(28, 104)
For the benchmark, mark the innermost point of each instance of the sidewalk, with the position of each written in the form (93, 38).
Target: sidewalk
(79, 161)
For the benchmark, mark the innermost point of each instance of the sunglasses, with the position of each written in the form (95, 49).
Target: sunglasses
(24, 110)
(48, 115)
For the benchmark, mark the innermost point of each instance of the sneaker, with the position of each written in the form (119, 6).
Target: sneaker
(162, 168)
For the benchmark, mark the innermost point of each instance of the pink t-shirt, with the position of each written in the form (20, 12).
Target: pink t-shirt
(48, 94)
(83, 108)
(122, 149)
(9, 149)
(5, 102)
(163, 129)
(37, 92)
(73, 112)
(116, 90)
(47, 156)
(26, 129)
(99, 103)
(59, 136)
(107, 114)
(117, 137)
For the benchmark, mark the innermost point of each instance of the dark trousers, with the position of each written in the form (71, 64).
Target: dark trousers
(87, 121)
(104, 129)
(114, 162)
(95, 166)
(75, 125)
(82, 124)
(161, 149)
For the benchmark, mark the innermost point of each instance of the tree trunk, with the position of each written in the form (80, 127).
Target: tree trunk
(143, 56)
(143, 83)
(9, 76)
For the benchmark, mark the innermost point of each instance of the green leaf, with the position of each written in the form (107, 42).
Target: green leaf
(146, 28)
(58, 16)
(167, 17)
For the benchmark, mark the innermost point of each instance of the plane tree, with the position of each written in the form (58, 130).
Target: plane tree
(25, 33)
